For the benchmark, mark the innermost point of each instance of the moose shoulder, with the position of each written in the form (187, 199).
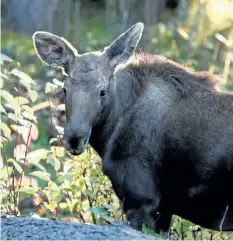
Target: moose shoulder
(165, 133)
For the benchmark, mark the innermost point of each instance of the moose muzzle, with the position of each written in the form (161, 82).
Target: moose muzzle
(77, 134)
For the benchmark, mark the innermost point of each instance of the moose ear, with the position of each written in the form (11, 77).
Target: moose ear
(53, 50)
(123, 47)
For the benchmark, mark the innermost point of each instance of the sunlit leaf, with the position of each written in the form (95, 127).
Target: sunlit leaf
(13, 117)
(51, 205)
(3, 75)
(1, 83)
(5, 58)
(25, 83)
(99, 211)
(16, 165)
(148, 231)
(2, 110)
(58, 83)
(34, 132)
(33, 95)
(56, 164)
(37, 164)
(74, 204)
(25, 134)
(28, 190)
(52, 140)
(58, 151)
(107, 206)
(25, 123)
(6, 95)
(92, 194)
(29, 115)
(59, 129)
(37, 155)
(21, 100)
(50, 87)
(42, 175)
(67, 176)
(3, 194)
(61, 107)
(5, 130)
(22, 75)
(20, 151)
(5, 171)
(55, 195)
(1, 161)
(108, 218)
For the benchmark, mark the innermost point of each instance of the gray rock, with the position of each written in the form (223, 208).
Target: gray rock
(20, 228)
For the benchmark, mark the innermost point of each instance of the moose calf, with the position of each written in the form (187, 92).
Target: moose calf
(165, 133)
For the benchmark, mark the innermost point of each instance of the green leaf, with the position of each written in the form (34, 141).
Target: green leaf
(148, 231)
(37, 164)
(92, 194)
(52, 140)
(55, 163)
(5, 95)
(13, 117)
(99, 211)
(29, 115)
(5, 58)
(67, 176)
(108, 218)
(23, 76)
(50, 87)
(58, 151)
(21, 100)
(2, 110)
(28, 190)
(1, 83)
(59, 129)
(33, 95)
(1, 162)
(107, 206)
(3, 194)
(55, 195)
(4, 173)
(6, 130)
(42, 175)
(58, 83)
(37, 155)
(61, 107)
(16, 165)
(25, 83)
(3, 76)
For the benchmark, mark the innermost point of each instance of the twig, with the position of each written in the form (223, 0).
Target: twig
(224, 216)
(81, 216)
(10, 190)
(89, 200)
(25, 156)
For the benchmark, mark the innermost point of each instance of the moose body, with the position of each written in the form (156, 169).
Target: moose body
(165, 133)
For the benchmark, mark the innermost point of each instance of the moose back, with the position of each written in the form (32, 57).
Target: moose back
(165, 133)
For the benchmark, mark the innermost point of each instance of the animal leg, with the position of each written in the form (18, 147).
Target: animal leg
(133, 180)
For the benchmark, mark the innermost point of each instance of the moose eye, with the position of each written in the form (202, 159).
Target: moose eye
(64, 91)
(102, 93)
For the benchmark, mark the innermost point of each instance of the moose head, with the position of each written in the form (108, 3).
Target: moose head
(87, 87)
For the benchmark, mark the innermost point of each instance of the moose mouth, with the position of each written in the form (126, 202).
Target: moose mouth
(77, 146)
(76, 152)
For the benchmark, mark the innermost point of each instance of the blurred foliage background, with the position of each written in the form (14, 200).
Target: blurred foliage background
(38, 176)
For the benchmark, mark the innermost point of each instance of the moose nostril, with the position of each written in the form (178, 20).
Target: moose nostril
(74, 143)
(85, 142)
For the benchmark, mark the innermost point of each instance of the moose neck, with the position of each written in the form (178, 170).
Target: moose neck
(123, 92)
